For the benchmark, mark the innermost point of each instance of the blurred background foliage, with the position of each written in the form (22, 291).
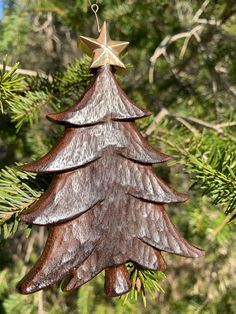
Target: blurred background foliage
(182, 66)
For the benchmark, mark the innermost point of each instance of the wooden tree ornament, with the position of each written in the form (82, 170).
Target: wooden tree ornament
(104, 206)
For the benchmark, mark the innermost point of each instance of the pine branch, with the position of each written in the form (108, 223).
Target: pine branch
(210, 159)
(216, 176)
(25, 71)
(45, 91)
(187, 121)
(119, 10)
(76, 78)
(18, 191)
(143, 281)
(10, 84)
(27, 108)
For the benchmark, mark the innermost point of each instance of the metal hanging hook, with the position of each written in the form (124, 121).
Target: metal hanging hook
(95, 7)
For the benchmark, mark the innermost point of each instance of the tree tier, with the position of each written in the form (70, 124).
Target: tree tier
(108, 179)
(79, 146)
(111, 233)
(104, 100)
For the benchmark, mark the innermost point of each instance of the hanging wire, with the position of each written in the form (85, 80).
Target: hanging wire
(95, 7)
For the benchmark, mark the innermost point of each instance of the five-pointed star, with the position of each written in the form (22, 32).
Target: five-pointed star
(105, 51)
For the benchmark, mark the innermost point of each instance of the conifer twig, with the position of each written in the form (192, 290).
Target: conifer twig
(188, 125)
(218, 128)
(161, 49)
(28, 72)
(200, 10)
(164, 112)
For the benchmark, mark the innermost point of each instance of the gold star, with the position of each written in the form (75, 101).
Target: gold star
(104, 50)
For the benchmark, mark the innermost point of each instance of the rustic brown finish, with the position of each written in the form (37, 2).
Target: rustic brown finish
(105, 203)
(117, 281)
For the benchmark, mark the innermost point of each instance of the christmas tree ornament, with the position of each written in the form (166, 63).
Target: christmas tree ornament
(105, 205)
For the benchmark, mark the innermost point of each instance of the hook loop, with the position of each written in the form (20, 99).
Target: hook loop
(95, 7)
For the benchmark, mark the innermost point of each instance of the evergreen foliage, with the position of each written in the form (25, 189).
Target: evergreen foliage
(10, 84)
(27, 108)
(183, 63)
(18, 191)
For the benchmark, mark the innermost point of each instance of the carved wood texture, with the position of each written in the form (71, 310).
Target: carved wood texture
(104, 206)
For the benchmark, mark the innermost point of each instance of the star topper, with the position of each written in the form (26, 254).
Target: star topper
(104, 50)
